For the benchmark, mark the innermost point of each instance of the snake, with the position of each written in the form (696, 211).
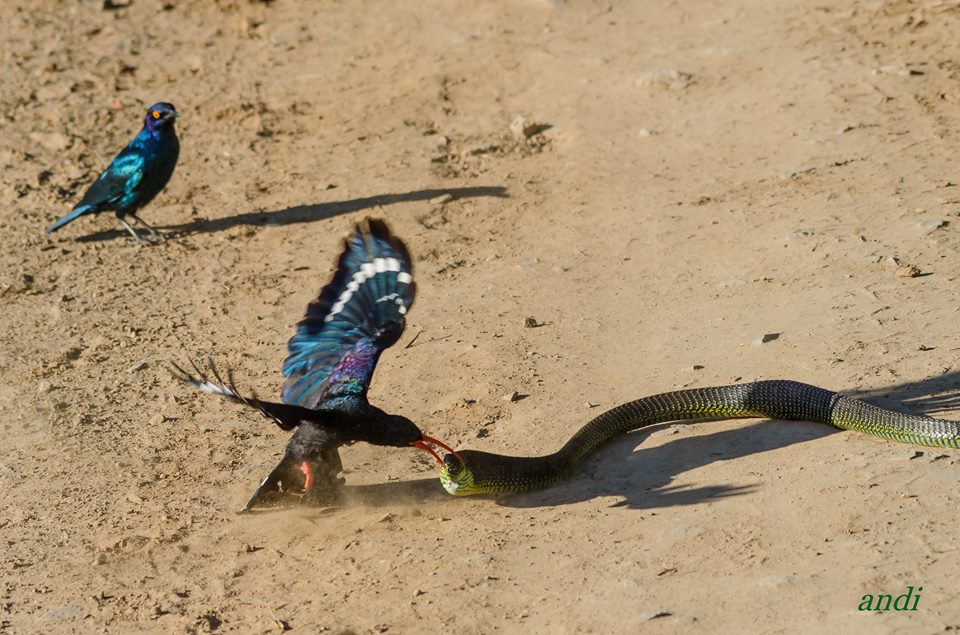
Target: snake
(475, 472)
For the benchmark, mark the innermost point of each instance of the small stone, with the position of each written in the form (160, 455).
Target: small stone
(531, 323)
(643, 133)
(418, 592)
(697, 367)
(513, 396)
(443, 199)
(156, 419)
(664, 78)
(141, 365)
(523, 128)
(769, 337)
(101, 558)
(799, 233)
(893, 261)
(907, 271)
(389, 517)
(928, 225)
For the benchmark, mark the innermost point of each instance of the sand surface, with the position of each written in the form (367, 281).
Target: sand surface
(704, 174)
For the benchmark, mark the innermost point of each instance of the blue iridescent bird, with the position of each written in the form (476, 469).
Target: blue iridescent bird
(331, 358)
(136, 175)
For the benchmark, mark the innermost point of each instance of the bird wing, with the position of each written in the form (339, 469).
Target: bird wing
(359, 314)
(121, 177)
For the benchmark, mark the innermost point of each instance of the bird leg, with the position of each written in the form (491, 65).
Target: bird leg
(322, 481)
(133, 233)
(150, 229)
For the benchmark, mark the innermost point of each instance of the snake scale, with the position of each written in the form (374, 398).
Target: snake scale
(474, 472)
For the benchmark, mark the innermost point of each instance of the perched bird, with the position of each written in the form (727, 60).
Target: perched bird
(136, 175)
(331, 359)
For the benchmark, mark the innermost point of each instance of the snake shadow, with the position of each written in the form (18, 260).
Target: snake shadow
(642, 478)
(930, 397)
(307, 213)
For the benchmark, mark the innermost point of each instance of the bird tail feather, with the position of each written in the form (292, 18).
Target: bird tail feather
(79, 211)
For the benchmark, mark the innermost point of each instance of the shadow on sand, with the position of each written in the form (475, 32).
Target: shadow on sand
(307, 213)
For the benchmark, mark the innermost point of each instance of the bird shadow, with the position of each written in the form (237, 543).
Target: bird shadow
(309, 213)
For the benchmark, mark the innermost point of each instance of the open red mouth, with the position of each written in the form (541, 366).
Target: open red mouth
(422, 445)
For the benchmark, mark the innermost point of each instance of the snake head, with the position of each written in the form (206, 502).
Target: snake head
(455, 476)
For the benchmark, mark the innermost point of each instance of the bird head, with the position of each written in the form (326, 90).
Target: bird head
(160, 115)
(400, 431)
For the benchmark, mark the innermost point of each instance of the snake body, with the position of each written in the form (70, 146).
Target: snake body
(476, 472)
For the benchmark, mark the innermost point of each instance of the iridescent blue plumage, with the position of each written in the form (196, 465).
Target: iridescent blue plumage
(358, 315)
(136, 175)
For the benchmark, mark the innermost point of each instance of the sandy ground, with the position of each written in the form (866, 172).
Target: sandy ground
(712, 172)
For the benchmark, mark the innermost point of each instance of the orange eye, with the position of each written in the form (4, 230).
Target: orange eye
(155, 114)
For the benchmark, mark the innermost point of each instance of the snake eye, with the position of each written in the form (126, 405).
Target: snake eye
(155, 114)
(453, 465)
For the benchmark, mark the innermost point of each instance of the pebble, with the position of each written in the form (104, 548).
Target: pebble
(928, 225)
(141, 365)
(668, 78)
(769, 337)
(646, 616)
(907, 271)
(513, 396)
(523, 128)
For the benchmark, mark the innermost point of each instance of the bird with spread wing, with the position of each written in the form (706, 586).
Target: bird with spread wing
(331, 359)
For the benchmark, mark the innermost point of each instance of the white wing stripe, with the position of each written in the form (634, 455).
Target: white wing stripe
(367, 271)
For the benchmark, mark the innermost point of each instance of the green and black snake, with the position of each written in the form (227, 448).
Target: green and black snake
(474, 472)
